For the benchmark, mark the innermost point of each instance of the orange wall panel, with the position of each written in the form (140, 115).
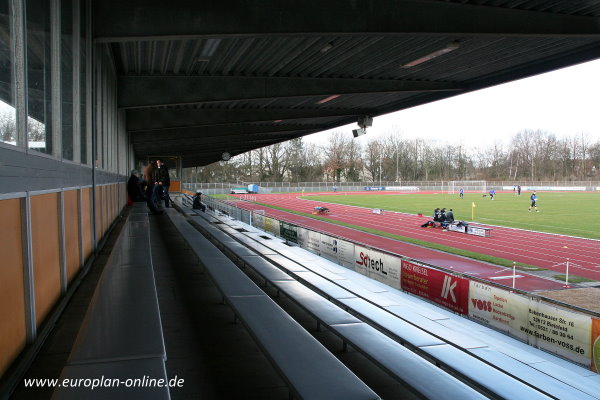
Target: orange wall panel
(86, 226)
(175, 186)
(71, 218)
(113, 203)
(106, 211)
(45, 246)
(12, 295)
(98, 218)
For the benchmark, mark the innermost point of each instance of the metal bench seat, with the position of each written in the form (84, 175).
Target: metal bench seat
(310, 370)
(121, 335)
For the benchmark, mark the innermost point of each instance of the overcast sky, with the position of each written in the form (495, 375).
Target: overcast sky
(564, 102)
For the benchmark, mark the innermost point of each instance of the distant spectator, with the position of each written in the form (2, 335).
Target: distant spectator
(134, 187)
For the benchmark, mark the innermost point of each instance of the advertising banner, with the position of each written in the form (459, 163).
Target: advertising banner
(560, 331)
(380, 266)
(337, 250)
(596, 345)
(272, 226)
(403, 188)
(309, 240)
(478, 231)
(346, 254)
(258, 221)
(457, 228)
(498, 308)
(303, 237)
(444, 289)
(288, 231)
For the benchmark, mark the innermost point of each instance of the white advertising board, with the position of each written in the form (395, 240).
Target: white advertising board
(309, 240)
(548, 327)
(477, 231)
(376, 265)
(498, 308)
(560, 331)
(258, 221)
(272, 225)
(337, 250)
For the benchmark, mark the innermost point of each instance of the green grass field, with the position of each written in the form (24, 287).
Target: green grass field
(573, 213)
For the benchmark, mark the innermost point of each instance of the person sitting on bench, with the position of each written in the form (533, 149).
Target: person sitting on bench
(197, 203)
(450, 216)
(437, 215)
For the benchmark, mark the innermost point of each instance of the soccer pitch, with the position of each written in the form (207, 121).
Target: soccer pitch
(572, 213)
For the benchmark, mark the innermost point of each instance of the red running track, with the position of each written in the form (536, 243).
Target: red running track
(535, 248)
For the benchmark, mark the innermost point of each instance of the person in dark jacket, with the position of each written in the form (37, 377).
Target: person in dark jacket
(134, 187)
(437, 215)
(197, 202)
(450, 216)
(149, 174)
(162, 181)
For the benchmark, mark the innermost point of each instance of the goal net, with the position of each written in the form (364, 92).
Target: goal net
(468, 186)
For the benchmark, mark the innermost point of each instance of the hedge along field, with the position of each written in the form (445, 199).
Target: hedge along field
(566, 213)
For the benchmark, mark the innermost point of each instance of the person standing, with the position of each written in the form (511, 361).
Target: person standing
(533, 198)
(492, 193)
(518, 190)
(162, 181)
(134, 187)
(461, 193)
(149, 174)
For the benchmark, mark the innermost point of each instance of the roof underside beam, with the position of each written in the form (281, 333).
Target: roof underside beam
(155, 91)
(151, 119)
(226, 133)
(118, 20)
(199, 147)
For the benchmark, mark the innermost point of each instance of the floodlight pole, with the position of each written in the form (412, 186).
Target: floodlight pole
(397, 164)
(380, 157)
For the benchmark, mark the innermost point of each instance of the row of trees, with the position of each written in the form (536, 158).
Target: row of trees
(530, 155)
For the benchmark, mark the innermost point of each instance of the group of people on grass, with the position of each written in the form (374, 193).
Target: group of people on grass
(152, 187)
(441, 219)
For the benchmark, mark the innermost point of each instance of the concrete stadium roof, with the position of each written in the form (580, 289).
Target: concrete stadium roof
(200, 78)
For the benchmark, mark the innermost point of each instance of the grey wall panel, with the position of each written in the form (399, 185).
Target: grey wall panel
(20, 172)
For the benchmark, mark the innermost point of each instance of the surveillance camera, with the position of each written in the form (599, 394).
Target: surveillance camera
(365, 121)
(358, 132)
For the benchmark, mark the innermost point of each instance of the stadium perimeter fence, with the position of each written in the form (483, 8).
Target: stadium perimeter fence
(406, 186)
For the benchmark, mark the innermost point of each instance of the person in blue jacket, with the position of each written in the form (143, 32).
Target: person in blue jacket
(533, 198)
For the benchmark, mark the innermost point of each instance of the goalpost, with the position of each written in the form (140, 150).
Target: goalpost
(468, 186)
